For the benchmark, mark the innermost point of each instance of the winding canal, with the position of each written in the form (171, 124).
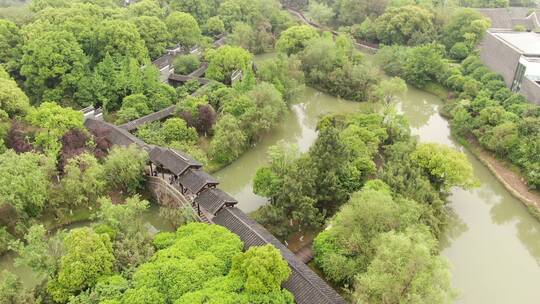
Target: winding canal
(493, 244)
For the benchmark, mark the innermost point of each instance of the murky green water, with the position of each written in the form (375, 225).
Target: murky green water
(494, 246)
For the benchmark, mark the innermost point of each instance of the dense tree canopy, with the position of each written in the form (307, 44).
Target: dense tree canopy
(10, 39)
(336, 67)
(53, 122)
(154, 33)
(13, 101)
(405, 25)
(183, 29)
(405, 270)
(295, 39)
(88, 256)
(225, 60)
(124, 168)
(204, 262)
(25, 182)
(53, 65)
(121, 38)
(347, 249)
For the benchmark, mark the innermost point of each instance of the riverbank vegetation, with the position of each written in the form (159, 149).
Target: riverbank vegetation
(482, 107)
(333, 65)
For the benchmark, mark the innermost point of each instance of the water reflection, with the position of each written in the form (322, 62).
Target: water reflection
(416, 105)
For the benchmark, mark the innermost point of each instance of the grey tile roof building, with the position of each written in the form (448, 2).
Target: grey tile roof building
(213, 199)
(509, 17)
(196, 180)
(156, 116)
(114, 134)
(174, 161)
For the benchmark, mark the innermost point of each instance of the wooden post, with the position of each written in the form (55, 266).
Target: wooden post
(199, 209)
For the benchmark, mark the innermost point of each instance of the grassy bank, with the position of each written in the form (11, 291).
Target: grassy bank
(507, 176)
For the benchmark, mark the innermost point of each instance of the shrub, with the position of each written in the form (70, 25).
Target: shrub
(186, 64)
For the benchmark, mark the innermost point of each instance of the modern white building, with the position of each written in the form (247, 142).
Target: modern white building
(516, 56)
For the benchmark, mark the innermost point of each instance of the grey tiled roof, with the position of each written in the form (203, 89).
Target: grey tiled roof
(508, 17)
(156, 116)
(196, 180)
(306, 286)
(174, 161)
(115, 135)
(213, 199)
(185, 78)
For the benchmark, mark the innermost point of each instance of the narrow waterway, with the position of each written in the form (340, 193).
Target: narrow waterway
(493, 244)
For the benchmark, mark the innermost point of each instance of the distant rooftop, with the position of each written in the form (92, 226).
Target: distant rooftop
(528, 43)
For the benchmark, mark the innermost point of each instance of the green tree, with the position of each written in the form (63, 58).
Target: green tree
(268, 108)
(292, 193)
(408, 25)
(200, 9)
(329, 155)
(10, 40)
(124, 168)
(242, 35)
(88, 257)
(229, 140)
(446, 166)
(38, 252)
(132, 242)
(321, 12)
(262, 269)
(13, 101)
(54, 121)
(200, 253)
(467, 26)
(12, 290)
(346, 249)
(214, 26)
(226, 59)
(133, 107)
(176, 129)
(269, 180)
(355, 11)
(424, 64)
(406, 269)
(120, 38)
(82, 182)
(185, 64)
(295, 39)
(154, 33)
(184, 29)
(143, 295)
(336, 67)
(284, 73)
(53, 64)
(389, 90)
(146, 8)
(24, 182)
